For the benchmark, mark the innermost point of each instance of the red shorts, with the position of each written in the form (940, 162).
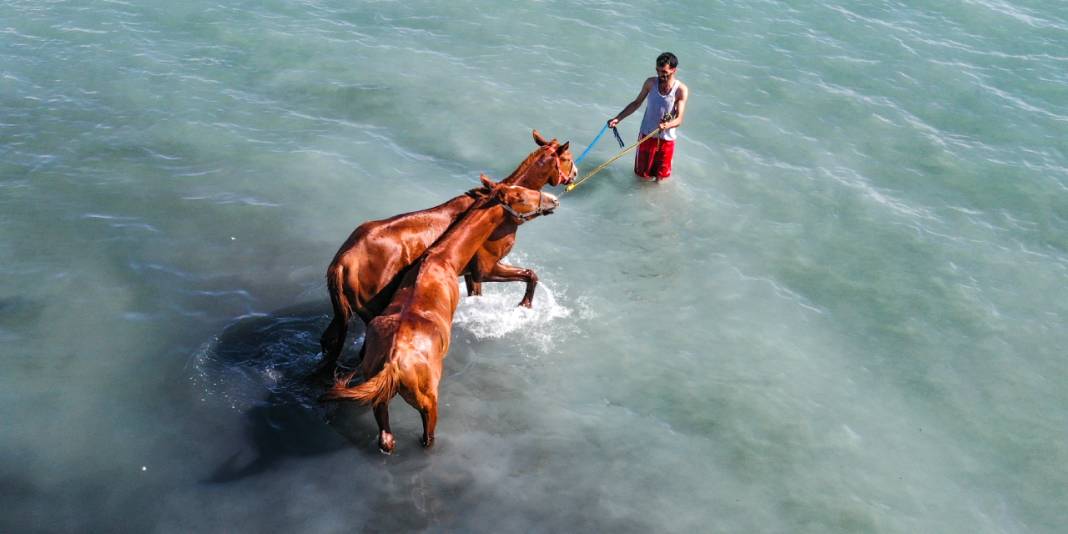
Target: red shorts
(653, 160)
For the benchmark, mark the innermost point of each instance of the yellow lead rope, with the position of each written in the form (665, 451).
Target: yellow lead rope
(605, 164)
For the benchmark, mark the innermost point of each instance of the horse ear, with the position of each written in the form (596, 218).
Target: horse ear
(486, 182)
(539, 139)
(563, 148)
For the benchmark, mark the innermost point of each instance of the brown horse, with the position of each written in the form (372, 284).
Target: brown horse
(405, 346)
(364, 273)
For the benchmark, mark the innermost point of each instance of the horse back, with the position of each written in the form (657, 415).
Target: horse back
(377, 253)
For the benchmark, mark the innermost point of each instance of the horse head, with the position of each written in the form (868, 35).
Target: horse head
(550, 163)
(521, 202)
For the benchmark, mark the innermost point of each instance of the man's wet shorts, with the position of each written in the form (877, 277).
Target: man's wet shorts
(653, 160)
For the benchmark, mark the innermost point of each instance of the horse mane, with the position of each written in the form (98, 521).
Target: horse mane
(478, 193)
(536, 155)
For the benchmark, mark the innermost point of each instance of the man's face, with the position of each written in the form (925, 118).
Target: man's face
(664, 72)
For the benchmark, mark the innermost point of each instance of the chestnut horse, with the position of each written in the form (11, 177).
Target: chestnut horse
(364, 272)
(406, 345)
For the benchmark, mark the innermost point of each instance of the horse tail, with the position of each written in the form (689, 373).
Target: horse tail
(378, 390)
(335, 283)
(333, 339)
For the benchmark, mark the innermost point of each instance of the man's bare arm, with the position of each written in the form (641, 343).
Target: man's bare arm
(633, 106)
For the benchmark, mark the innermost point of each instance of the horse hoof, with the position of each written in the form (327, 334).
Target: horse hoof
(386, 443)
(427, 443)
(526, 304)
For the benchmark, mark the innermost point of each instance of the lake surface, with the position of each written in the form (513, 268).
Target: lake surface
(845, 312)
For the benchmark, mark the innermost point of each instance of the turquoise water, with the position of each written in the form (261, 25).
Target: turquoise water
(844, 313)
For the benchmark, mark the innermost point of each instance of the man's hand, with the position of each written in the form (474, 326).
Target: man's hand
(613, 122)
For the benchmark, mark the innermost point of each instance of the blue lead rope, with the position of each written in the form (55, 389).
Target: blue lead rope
(595, 139)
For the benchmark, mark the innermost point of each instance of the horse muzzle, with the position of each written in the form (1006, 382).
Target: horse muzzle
(548, 203)
(574, 174)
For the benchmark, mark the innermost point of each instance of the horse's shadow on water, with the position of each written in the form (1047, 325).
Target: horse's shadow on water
(275, 354)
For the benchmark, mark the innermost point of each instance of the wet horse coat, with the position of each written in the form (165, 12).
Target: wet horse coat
(365, 271)
(406, 345)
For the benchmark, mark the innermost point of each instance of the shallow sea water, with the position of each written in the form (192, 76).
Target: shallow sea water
(844, 313)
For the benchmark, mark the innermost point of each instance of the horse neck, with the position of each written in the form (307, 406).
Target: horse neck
(457, 205)
(456, 248)
(534, 172)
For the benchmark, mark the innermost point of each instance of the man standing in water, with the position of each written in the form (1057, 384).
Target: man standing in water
(665, 109)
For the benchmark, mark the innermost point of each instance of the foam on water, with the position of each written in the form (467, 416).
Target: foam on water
(495, 315)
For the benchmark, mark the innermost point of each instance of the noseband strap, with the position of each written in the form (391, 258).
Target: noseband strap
(560, 169)
(524, 217)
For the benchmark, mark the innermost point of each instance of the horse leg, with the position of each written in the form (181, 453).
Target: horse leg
(473, 288)
(385, 437)
(332, 342)
(509, 273)
(428, 410)
(350, 371)
(473, 279)
(420, 391)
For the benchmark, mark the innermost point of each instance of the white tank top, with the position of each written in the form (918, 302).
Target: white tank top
(656, 105)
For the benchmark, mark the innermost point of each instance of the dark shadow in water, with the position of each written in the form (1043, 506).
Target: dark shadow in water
(275, 354)
(19, 310)
(18, 316)
(278, 430)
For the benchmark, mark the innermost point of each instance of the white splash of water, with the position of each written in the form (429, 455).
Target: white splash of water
(496, 314)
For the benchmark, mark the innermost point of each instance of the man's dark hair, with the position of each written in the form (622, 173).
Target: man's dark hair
(667, 58)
